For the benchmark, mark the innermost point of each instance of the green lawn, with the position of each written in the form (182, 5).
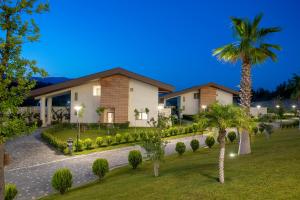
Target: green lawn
(272, 171)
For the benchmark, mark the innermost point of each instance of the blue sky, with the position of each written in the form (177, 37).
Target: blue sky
(167, 40)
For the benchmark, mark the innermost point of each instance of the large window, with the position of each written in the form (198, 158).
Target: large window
(96, 90)
(142, 116)
(196, 95)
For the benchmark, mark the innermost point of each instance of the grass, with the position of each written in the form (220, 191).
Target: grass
(272, 171)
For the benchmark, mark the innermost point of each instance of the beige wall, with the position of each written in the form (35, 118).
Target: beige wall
(224, 98)
(141, 96)
(190, 105)
(85, 96)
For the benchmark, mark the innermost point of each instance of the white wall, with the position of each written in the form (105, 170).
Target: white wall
(191, 105)
(224, 98)
(255, 112)
(143, 96)
(85, 96)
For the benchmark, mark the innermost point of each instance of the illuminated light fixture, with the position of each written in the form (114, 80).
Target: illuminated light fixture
(204, 106)
(77, 108)
(232, 155)
(258, 106)
(294, 106)
(277, 106)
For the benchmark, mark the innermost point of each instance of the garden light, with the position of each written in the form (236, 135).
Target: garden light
(277, 106)
(293, 106)
(232, 155)
(258, 106)
(204, 106)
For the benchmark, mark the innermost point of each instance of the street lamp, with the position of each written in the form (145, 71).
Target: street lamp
(77, 109)
(277, 106)
(258, 107)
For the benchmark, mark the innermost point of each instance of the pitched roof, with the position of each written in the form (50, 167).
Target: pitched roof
(115, 71)
(198, 87)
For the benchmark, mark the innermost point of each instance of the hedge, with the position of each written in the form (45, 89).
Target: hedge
(54, 141)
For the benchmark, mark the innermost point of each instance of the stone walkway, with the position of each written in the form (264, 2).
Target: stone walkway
(34, 164)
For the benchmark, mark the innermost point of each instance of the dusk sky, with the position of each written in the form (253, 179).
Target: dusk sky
(171, 41)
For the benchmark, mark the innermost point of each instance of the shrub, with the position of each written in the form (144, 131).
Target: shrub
(261, 127)
(194, 145)
(269, 128)
(55, 142)
(135, 136)
(108, 140)
(126, 137)
(135, 158)
(180, 148)
(175, 131)
(180, 131)
(190, 128)
(210, 141)
(118, 138)
(88, 143)
(99, 141)
(100, 167)
(62, 180)
(143, 135)
(78, 145)
(195, 127)
(255, 130)
(10, 191)
(231, 136)
(186, 130)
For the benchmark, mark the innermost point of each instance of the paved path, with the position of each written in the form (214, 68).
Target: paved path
(34, 164)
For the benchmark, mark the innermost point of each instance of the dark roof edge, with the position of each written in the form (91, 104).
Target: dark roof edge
(110, 72)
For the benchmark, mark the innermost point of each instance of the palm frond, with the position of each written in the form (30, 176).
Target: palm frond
(263, 32)
(274, 46)
(227, 53)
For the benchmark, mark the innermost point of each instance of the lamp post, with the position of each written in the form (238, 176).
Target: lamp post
(77, 109)
(258, 110)
(278, 107)
(297, 113)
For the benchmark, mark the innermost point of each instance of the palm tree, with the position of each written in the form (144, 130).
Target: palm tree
(223, 117)
(250, 49)
(294, 84)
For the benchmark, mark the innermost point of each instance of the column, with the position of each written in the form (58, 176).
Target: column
(43, 111)
(49, 110)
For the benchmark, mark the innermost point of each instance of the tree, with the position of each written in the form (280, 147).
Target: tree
(223, 117)
(155, 149)
(100, 111)
(17, 28)
(294, 84)
(250, 49)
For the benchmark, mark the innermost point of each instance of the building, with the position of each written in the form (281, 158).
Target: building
(192, 100)
(118, 91)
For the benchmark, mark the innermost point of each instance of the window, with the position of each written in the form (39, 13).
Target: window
(142, 116)
(196, 95)
(76, 96)
(183, 98)
(96, 90)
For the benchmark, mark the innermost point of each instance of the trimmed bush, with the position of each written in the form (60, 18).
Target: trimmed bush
(186, 130)
(100, 167)
(118, 138)
(180, 148)
(210, 141)
(135, 136)
(195, 127)
(99, 141)
(108, 140)
(10, 191)
(255, 130)
(62, 180)
(88, 143)
(135, 158)
(78, 145)
(55, 142)
(126, 137)
(195, 145)
(231, 136)
(261, 127)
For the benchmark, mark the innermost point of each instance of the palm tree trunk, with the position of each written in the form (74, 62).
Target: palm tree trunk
(1, 171)
(156, 168)
(245, 98)
(244, 145)
(221, 155)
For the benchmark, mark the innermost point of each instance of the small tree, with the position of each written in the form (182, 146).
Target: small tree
(155, 149)
(135, 158)
(100, 167)
(223, 117)
(100, 111)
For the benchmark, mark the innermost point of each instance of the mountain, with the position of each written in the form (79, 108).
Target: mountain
(51, 80)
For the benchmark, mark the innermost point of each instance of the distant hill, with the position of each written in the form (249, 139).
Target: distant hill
(51, 80)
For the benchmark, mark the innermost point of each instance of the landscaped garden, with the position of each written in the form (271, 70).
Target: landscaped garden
(94, 138)
(272, 171)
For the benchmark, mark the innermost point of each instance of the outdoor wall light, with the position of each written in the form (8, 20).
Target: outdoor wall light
(77, 108)
(277, 106)
(204, 106)
(294, 106)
